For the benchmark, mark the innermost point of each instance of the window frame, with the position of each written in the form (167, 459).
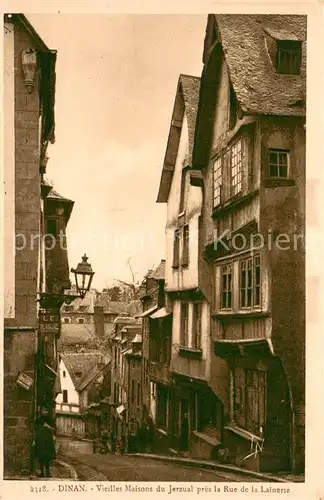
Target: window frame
(290, 49)
(255, 280)
(65, 396)
(50, 222)
(184, 325)
(237, 187)
(217, 180)
(227, 291)
(277, 164)
(197, 322)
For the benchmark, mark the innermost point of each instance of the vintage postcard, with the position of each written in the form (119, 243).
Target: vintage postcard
(162, 239)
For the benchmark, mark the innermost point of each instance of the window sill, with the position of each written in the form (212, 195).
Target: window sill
(243, 433)
(274, 182)
(190, 352)
(205, 437)
(232, 203)
(241, 314)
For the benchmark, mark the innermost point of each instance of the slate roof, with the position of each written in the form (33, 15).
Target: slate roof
(83, 363)
(74, 309)
(92, 375)
(159, 272)
(57, 196)
(258, 87)
(189, 87)
(110, 306)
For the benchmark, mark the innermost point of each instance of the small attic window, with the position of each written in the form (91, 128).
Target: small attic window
(288, 57)
(78, 374)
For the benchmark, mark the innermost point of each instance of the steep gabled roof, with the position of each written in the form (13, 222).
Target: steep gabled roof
(190, 88)
(110, 306)
(54, 196)
(159, 273)
(258, 87)
(92, 375)
(82, 363)
(188, 94)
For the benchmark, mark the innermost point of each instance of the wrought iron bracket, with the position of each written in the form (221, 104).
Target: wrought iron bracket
(55, 300)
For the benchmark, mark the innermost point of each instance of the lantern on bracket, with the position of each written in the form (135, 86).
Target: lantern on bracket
(29, 65)
(83, 276)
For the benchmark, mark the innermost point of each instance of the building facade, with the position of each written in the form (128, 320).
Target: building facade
(84, 380)
(250, 150)
(29, 87)
(190, 410)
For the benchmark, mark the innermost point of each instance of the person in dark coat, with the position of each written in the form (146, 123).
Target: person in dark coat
(45, 444)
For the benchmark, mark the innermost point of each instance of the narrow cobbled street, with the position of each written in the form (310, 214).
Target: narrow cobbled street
(111, 467)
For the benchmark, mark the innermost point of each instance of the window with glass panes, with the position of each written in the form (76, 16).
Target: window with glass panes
(184, 323)
(226, 286)
(217, 172)
(250, 282)
(278, 163)
(236, 168)
(196, 325)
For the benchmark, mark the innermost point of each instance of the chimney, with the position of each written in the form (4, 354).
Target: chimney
(99, 321)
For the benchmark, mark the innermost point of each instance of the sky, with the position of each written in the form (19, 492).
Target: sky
(116, 78)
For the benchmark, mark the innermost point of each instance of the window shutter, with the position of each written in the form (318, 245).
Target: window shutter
(176, 247)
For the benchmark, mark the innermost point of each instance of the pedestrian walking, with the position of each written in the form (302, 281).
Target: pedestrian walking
(45, 443)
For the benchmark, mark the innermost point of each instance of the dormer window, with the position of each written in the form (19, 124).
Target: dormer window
(288, 57)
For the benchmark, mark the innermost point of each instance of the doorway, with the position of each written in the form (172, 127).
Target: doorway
(184, 424)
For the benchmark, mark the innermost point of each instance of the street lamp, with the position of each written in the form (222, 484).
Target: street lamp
(83, 276)
(83, 279)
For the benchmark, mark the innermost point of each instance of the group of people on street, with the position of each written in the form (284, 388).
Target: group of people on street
(44, 442)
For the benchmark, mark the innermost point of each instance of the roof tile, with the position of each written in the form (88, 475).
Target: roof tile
(259, 88)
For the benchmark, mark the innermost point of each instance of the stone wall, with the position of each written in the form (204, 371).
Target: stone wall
(20, 336)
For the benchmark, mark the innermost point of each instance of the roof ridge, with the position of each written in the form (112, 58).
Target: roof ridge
(189, 76)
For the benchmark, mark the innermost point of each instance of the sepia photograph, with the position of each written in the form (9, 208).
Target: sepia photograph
(154, 287)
